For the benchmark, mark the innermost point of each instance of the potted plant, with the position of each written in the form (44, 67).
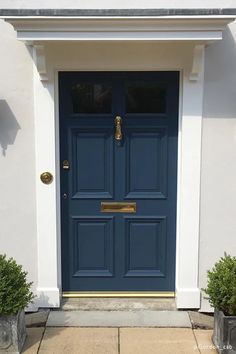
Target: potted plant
(221, 291)
(15, 295)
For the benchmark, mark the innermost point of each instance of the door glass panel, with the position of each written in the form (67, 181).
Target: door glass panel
(90, 97)
(145, 97)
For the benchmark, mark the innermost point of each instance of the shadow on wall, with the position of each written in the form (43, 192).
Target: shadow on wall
(43, 301)
(220, 78)
(8, 126)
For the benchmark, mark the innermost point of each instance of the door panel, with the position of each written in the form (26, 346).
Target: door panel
(92, 146)
(114, 251)
(146, 163)
(145, 247)
(93, 247)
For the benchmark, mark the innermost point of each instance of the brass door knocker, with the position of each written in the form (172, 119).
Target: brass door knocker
(118, 132)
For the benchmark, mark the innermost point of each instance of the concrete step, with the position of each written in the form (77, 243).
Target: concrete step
(118, 304)
(140, 318)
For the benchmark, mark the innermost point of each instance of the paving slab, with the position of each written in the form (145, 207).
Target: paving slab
(80, 341)
(34, 336)
(157, 341)
(117, 304)
(204, 342)
(118, 319)
(201, 320)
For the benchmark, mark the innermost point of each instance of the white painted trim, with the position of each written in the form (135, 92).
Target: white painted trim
(46, 204)
(177, 17)
(121, 36)
(188, 298)
(205, 18)
(37, 30)
(189, 179)
(48, 297)
(113, 28)
(179, 176)
(197, 62)
(58, 179)
(40, 61)
(163, 18)
(188, 194)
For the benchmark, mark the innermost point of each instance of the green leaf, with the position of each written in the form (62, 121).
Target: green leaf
(15, 293)
(221, 285)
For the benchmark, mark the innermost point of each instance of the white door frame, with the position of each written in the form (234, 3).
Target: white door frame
(188, 189)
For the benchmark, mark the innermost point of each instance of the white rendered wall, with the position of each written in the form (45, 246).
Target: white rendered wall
(17, 163)
(116, 4)
(218, 186)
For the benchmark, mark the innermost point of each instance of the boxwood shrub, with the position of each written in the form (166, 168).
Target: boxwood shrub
(15, 291)
(221, 285)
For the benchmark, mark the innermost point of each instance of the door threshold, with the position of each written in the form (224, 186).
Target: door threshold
(117, 294)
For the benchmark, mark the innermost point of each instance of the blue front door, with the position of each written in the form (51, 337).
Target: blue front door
(118, 144)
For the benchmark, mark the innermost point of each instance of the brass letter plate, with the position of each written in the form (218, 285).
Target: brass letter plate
(118, 207)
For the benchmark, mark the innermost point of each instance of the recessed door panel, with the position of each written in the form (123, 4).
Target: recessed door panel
(145, 248)
(92, 155)
(93, 247)
(146, 163)
(92, 161)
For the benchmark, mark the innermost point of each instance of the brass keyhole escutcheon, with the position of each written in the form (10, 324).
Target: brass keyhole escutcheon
(46, 177)
(65, 165)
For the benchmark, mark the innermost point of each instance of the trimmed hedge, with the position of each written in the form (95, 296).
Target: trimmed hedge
(221, 286)
(15, 291)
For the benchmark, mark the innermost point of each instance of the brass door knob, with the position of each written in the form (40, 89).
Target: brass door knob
(46, 177)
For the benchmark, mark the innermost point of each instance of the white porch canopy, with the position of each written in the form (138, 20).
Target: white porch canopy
(168, 28)
(34, 28)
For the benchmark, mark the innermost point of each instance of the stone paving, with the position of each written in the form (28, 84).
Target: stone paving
(77, 340)
(130, 332)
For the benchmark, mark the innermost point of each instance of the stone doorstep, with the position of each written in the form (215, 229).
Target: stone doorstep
(118, 304)
(142, 318)
(39, 319)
